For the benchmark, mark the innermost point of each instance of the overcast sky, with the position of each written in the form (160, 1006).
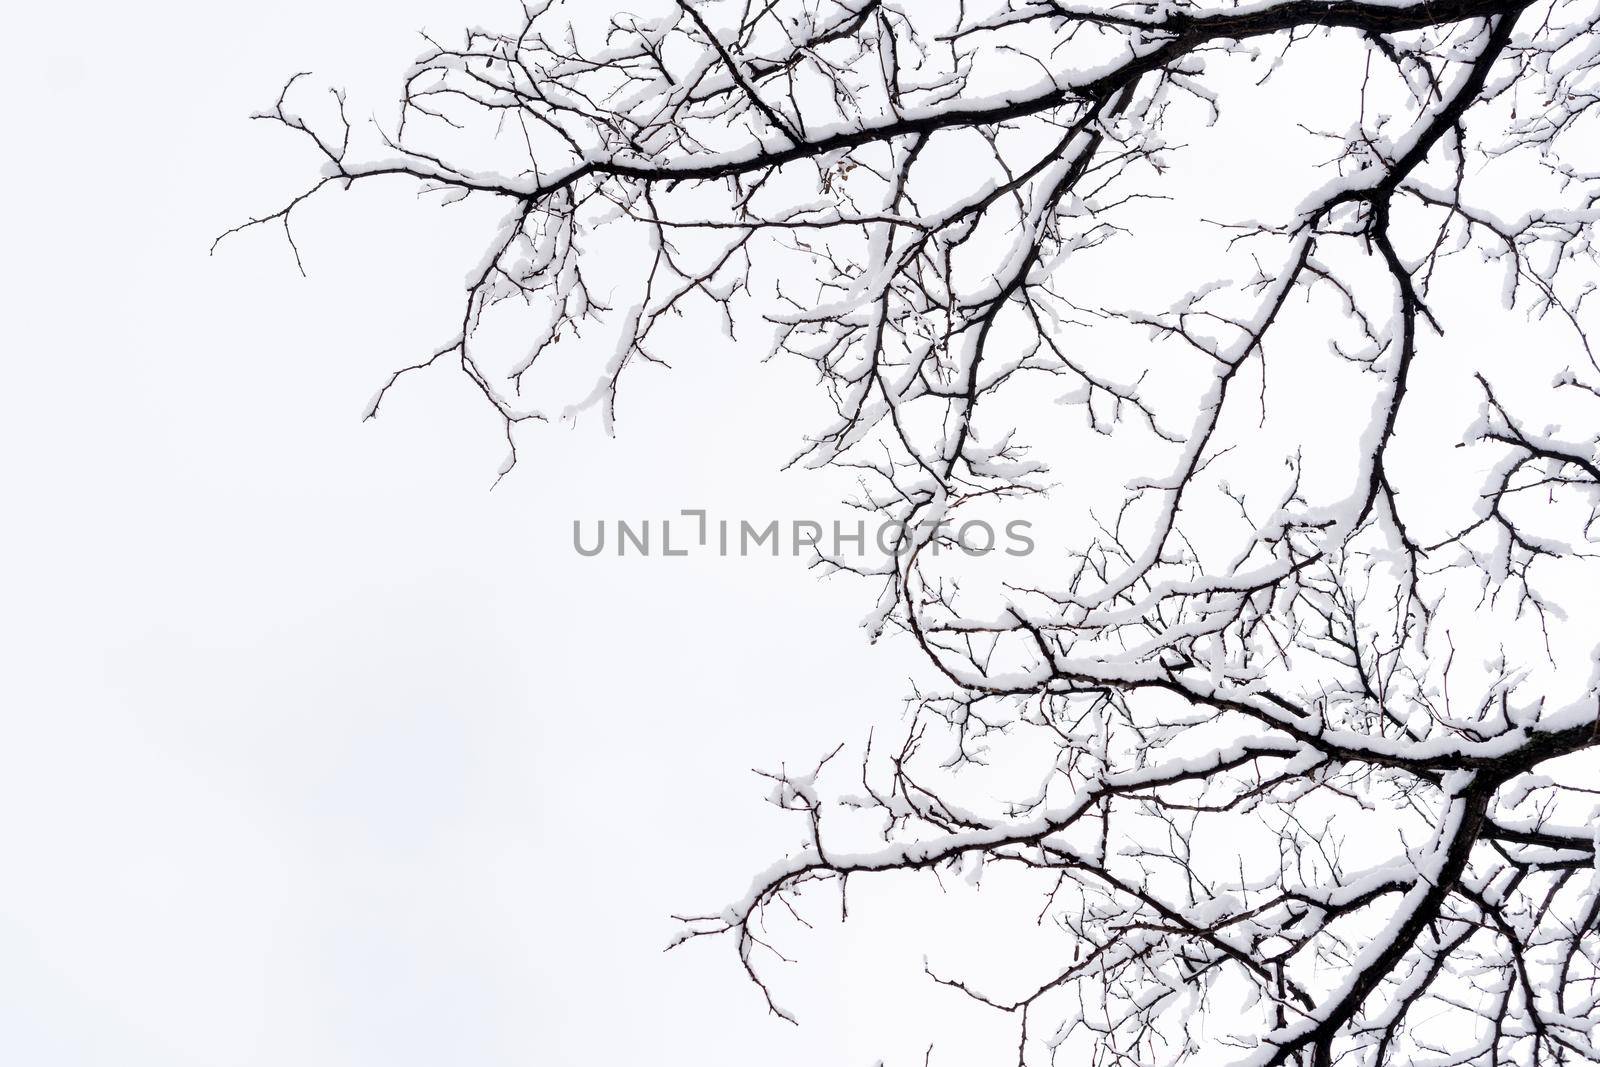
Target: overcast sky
(318, 746)
(315, 750)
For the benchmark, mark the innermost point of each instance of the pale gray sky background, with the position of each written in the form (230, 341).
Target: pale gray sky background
(313, 750)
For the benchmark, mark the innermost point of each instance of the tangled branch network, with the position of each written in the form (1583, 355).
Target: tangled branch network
(1279, 308)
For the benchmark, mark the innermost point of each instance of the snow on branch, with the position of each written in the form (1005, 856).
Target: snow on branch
(1334, 570)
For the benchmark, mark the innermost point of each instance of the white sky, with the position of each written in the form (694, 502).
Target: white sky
(312, 749)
